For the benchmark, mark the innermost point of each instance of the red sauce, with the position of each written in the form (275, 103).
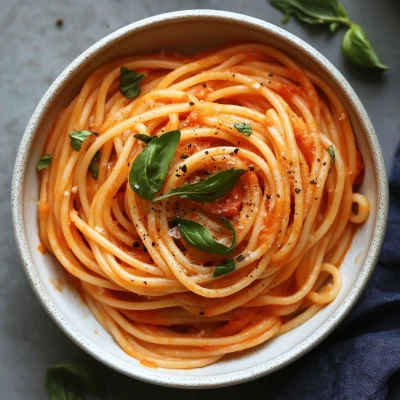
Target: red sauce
(229, 205)
(360, 170)
(304, 139)
(42, 248)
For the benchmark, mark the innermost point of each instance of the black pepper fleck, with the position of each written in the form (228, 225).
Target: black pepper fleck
(240, 258)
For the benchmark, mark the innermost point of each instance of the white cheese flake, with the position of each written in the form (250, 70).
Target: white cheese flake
(99, 229)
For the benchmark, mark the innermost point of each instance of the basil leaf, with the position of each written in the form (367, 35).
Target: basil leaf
(94, 167)
(44, 162)
(198, 236)
(286, 19)
(77, 138)
(144, 138)
(150, 167)
(244, 128)
(130, 83)
(331, 152)
(225, 268)
(358, 50)
(68, 382)
(210, 189)
(313, 11)
(334, 26)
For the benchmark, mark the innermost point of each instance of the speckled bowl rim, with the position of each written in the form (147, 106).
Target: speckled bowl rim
(247, 374)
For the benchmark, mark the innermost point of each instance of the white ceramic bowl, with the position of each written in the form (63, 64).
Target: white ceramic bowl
(192, 31)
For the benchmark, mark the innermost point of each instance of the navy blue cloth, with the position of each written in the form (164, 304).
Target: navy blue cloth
(361, 359)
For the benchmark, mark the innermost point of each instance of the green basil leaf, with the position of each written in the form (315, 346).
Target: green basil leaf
(313, 11)
(150, 167)
(144, 138)
(286, 19)
(358, 50)
(198, 236)
(77, 138)
(331, 152)
(226, 267)
(44, 162)
(130, 82)
(94, 167)
(68, 381)
(210, 189)
(244, 128)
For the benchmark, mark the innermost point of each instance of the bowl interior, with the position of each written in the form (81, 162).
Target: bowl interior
(189, 32)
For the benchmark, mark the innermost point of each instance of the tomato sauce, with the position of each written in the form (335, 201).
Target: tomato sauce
(360, 170)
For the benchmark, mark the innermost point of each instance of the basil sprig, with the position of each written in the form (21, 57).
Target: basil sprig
(69, 381)
(77, 138)
(244, 128)
(356, 47)
(44, 162)
(94, 166)
(210, 189)
(315, 12)
(198, 236)
(150, 167)
(130, 83)
(358, 50)
(226, 267)
(144, 138)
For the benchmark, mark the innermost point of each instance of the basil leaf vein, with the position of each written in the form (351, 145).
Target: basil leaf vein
(226, 267)
(68, 381)
(210, 189)
(130, 83)
(44, 162)
(244, 128)
(358, 50)
(150, 167)
(94, 166)
(198, 236)
(77, 138)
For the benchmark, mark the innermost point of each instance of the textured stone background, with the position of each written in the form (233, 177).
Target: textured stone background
(33, 52)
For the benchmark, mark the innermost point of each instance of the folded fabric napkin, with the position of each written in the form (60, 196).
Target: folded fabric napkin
(361, 359)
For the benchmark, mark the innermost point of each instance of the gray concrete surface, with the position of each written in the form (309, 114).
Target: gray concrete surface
(32, 54)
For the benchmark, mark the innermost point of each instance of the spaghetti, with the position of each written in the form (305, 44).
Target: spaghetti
(293, 209)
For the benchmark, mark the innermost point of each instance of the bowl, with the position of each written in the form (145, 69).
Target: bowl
(189, 31)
